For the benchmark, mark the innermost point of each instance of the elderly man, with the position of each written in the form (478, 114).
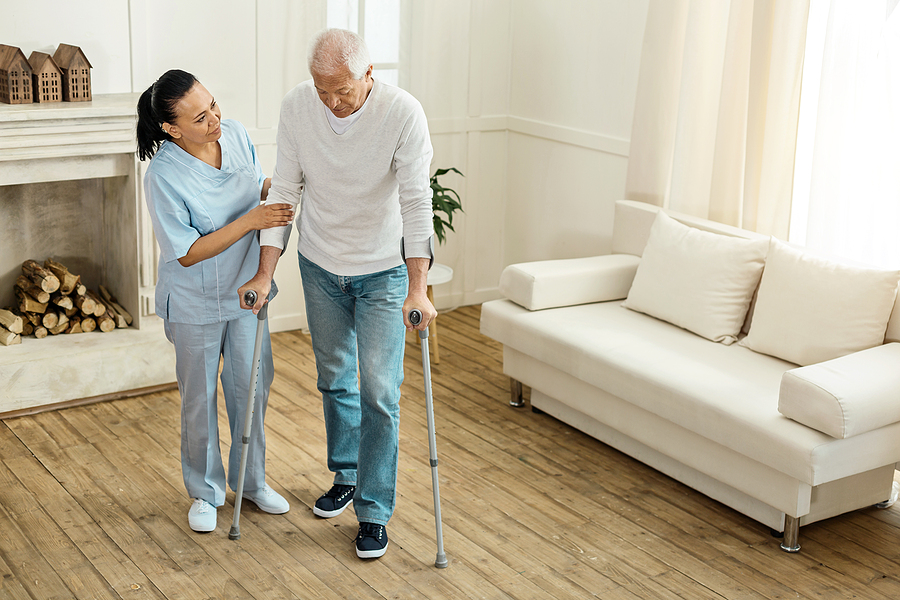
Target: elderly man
(359, 150)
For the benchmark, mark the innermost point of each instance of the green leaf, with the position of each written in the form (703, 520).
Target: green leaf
(444, 200)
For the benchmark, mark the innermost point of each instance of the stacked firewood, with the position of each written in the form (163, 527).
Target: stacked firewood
(51, 301)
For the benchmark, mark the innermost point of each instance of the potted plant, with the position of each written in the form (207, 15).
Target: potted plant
(444, 202)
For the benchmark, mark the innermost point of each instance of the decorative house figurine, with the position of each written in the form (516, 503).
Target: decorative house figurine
(76, 73)
(15, 76)
(46, 77)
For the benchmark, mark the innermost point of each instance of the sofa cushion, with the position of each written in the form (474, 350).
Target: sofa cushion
(552, 283)
(846, 396)
(893, 329)
(810, 309)
(728, 394)
(700, 281)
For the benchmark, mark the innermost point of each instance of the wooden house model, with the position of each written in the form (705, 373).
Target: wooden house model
(46, 78)
(76, 73)
(15, 76)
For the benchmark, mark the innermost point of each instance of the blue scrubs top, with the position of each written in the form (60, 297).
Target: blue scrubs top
(188, 199)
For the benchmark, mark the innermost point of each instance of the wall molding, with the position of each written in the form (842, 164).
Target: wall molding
(570, 135)
(263, 137)
(533, 128)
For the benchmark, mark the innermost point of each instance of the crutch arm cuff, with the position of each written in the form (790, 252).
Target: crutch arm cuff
(430, 251)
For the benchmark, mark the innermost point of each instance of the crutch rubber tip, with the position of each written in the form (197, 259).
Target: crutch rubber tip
(234, 534)
(441, 562)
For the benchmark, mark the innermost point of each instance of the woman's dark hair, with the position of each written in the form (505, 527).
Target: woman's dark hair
(157, 106)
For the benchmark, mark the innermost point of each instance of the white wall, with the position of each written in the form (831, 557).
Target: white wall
(572, 89)
(532, 100)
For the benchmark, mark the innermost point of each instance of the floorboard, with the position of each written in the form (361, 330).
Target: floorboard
(92, 505)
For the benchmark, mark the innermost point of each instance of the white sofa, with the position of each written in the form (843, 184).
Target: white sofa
(711, 414)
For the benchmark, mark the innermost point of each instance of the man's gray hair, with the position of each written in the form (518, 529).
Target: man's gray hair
(332, 49)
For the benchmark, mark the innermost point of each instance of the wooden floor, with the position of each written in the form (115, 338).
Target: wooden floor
(92, 505)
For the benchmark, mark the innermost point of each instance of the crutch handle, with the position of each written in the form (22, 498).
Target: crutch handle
(250, 300)
(415, 317)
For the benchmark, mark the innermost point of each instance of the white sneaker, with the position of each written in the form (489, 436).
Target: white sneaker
(202, 516)
(268, 500)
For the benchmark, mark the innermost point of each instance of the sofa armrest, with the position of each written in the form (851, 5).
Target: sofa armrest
(845, 396)
(554, 283)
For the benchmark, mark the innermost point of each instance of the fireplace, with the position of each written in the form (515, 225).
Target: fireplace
(70, 190)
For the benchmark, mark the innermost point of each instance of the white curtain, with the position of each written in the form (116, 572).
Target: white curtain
(847, 196)
(716, 111)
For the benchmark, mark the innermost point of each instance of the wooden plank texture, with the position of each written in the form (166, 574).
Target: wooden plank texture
(92, 505)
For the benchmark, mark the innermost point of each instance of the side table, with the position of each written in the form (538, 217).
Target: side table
(437, 275)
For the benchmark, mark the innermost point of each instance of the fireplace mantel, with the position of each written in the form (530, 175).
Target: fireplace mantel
(91, 143)
(66, 141)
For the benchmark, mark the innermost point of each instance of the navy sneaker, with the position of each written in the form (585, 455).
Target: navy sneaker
(334, 501)
(371, 541)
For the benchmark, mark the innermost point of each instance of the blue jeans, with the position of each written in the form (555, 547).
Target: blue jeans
(357, 323)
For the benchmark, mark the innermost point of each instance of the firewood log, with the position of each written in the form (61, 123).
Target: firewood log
(88, 324)
(61, 326)
(29, 287)
(51, 319)
(80, 289)
(8, 338)
(27, 327)
(41, 276)
(119, 319)
(74, 326)
(29, 304)
(67, 281)
(99, 305)
(85, 304)
(106, 323)
(64, 302)
(11, 321)
(115, 304)
(33, 318)
(40, 332)
(70, 312)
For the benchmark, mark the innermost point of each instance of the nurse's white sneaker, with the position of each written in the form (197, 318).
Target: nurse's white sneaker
(202, 516)
(268, 500)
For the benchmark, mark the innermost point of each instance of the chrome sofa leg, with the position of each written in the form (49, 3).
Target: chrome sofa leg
(791, 541)
(515, 393)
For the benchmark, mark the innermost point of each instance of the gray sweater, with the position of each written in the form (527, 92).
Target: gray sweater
(362, 190)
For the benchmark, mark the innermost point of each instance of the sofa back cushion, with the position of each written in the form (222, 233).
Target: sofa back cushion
(893, 328)
(810, 309)
(700, 281)
(633, 220)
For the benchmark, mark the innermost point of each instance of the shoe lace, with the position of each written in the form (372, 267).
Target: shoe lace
(339, 491)
(370, 530)
(203, 507)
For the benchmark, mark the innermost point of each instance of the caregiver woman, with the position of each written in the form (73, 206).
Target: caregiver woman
(204, 186)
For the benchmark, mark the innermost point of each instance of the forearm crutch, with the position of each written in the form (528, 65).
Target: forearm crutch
(249, 300)
(415, 317)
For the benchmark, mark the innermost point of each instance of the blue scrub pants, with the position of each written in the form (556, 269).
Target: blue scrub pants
(350, 317)
(198, 349)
